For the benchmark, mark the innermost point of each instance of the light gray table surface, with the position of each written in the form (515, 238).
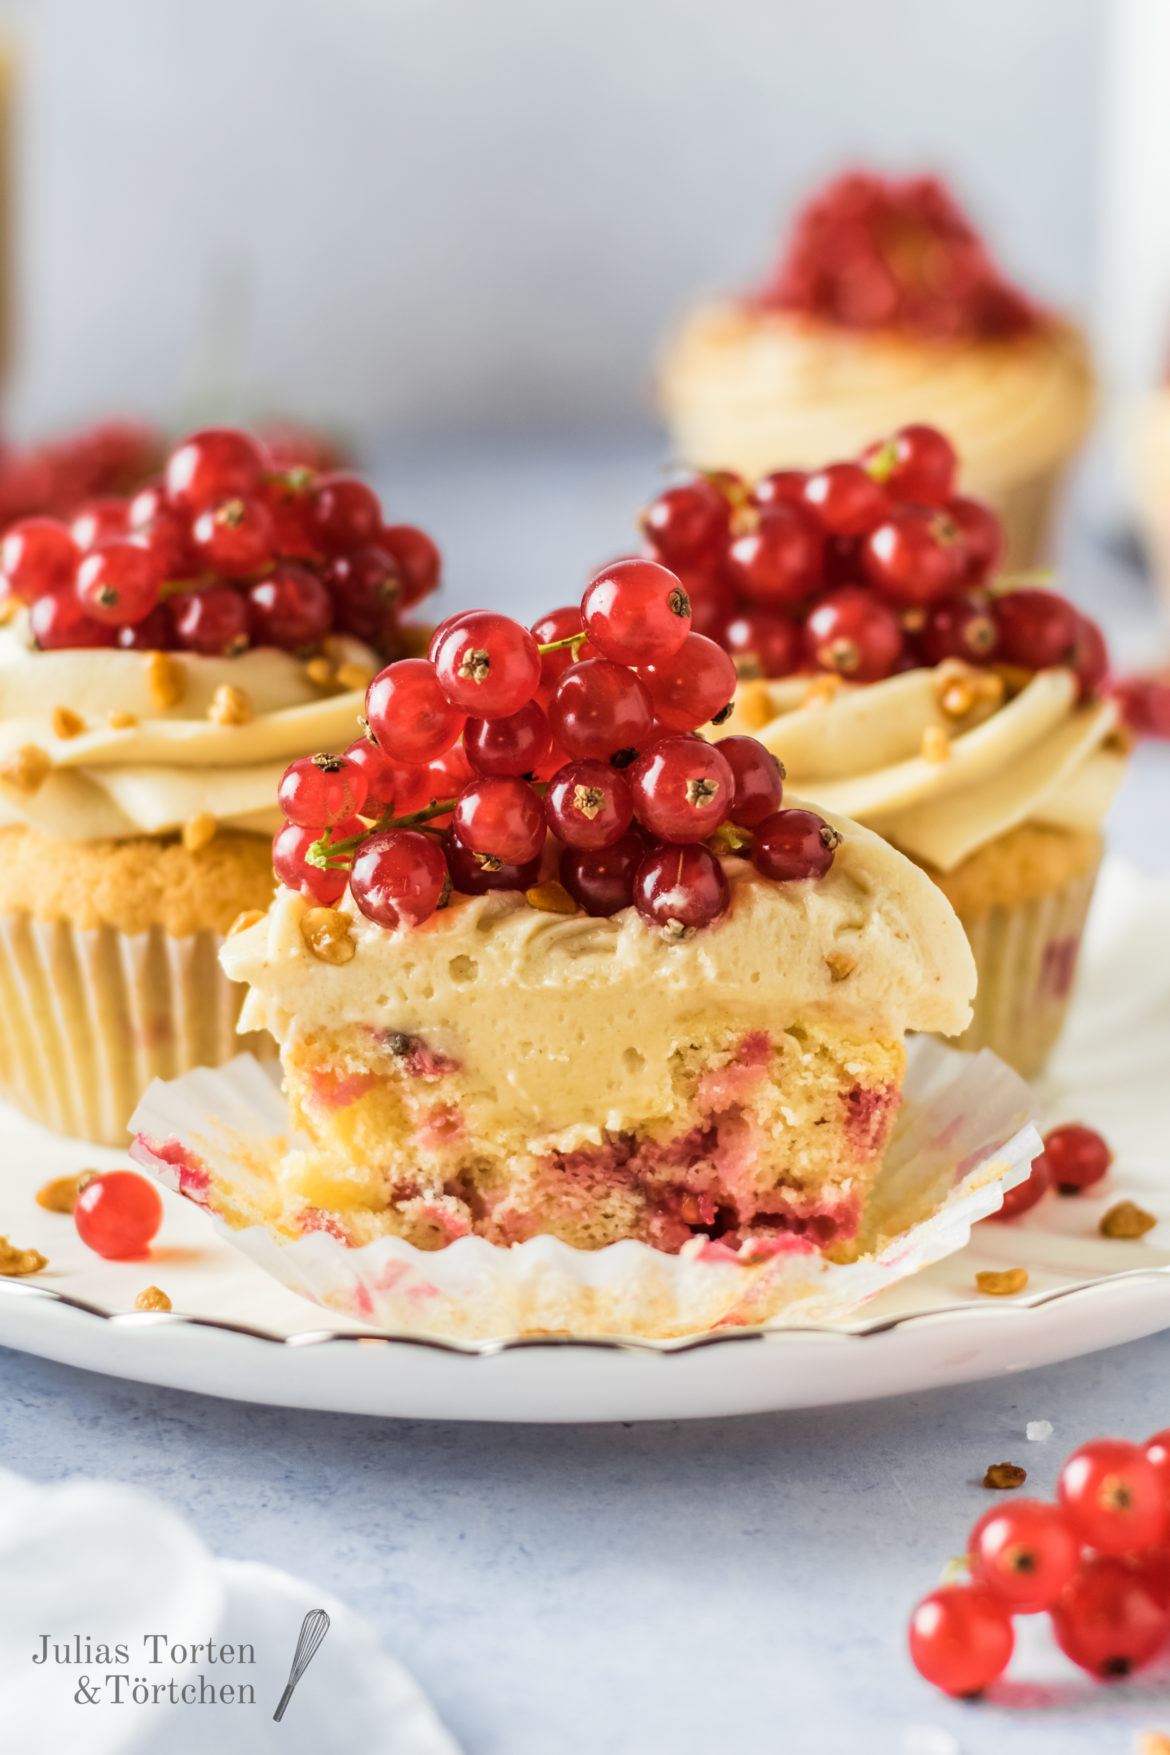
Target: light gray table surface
(664, 1589)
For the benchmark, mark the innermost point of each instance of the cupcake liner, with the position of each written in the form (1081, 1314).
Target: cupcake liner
(963, 1136)
(88, 1017)
(1026, 959)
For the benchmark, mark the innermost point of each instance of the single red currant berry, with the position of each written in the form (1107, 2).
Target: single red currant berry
(399, 878)
(959, 627)
(598, 709)
(154, 633)
(681, 888)
(636, 612)
(1157, 1451)
(515, 745)
(794, 844)
(448, 775)
(501, 816)
(212, 466)
(853, 632)
(980, 538)
(290, 609)
(1037, 629)
(318, 791)
(846, 500)
(961, 1639)
(693, 687)
(784, 487)
(1025, 1553)
(1108, 1621)
(118, 583)
(166, 533)
(38, 556)
(1077, 1157)
(779, 562)
(918, 463)
(1090, 658)
(418, 560)
(388, 787)
(1111, 1494)
(687, 525)
(1154, 1569)
(557, 625)
(100, 521)
(589, 804)
(487, 664)
(914, 556)
(213, 622)
(296, 871)
(758, 777)
(365, 584)
(410, 717)
(118, 1214)
(346, 513)
(235, 539)
(289, 499)
(58, 622)
(602, 879)
(712, 600)
(1025, 1194)
(682, 788)
(763, 644)
(475, 874)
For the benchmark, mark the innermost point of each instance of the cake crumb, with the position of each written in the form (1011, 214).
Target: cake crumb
(1002, 1285)
(120, 720)
(153, 1298)
(550, 898)
(166, 681)
(244, 920)
(199, 832)
(67, 723)
(15, 1263)
(26, 769)
(1128, 1220)
(60, 1195)
(841, 965)
(326, 933)
(230, 706)
(354, 676)
(1038, 1431)
(936, 745)
(1005, 1475)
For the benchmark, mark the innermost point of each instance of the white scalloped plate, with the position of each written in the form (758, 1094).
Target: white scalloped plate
(242, 1335)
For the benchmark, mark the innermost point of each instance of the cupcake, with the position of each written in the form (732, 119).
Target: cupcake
(655, 1005)
(1150, 447)
(162, 661)
(906, 686)
(885, 308)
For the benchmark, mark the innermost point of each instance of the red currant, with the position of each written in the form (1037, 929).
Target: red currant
(682, 788)
(417, 559)
(290, 861)
(38, 556)
(1077, 1157)
(235, 539)
(166, 533)
(980, 538)
(689, 689)
(100, 521)
(780, 562)
(560, 624)
(501, 816)
(290, 609)
(763, 644)
(959, 627)
(213, 622)
(398, 878)
(1090, 657)
(687, 525)
(681, 888)
(961, 1639)
(636, 612)
(589, 805)
(1158, 1455)
(387, 787)
(515, 745)
(1025, 1194)
(598, 709)
(917, 463)
(794, 844)
(758, 777)
(712, 600)
(1111, 1494)
(118, 583)
(475, 874)
(1025, 1553)
(915, 555)
(846, 500)
(408, 713)
(487, 664)
(154, 633)
(118, 1214)
(602, 879)
(1037, 629)
(289, 499)
(58, 622)
(365, 584)
(211, 466)
(784, 487)
(1108, 1620)
(853, 632)
(317, 791)
(346, 513)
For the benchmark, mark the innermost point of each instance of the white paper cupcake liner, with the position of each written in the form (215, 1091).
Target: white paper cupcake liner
(962, 1138)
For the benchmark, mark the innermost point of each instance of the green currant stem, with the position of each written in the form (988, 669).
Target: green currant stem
(328, 855)
(559, 645)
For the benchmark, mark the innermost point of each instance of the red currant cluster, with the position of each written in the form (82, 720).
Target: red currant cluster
(876, 252)
(861, 569)
(1074, 1158)
(228, 550)
(1110, 1606)
(60, 475)
(582, 727)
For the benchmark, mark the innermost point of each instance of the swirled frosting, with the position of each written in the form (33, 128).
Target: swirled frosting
(938, 783)
(169, 764)
(754, 390)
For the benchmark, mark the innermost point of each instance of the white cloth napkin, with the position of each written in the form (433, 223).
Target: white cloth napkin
(106, 1564)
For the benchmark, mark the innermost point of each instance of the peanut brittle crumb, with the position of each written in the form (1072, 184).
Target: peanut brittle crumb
(822, 691)
(755, 704)
(118, 719)
(1002, 1285)
(67, 723)
(153, 1298)
(244, 920)
(841, 964)
(1127, 1220)
(60, 1195)
(326, 933)
(199, 832)
(26, 769)
(17, 1263)
(230, 706)
(354, 676)
(550, 898)
(320, 671)
(166, 681)
(1004, 1475)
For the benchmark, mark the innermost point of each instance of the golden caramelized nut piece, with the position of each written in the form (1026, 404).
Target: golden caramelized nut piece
(230, 706)
(354, 676)
(326, 933)
(1005, 1475)
(67, 723)
(1127, 1220)
(243, 921)
(199, 832)
(755, 704)
(26, 769)
(550, 898)
(321, 672)
(120, 720)
(1002, 1285)
(153, 1298)
(823, 690)
(166, 680)
(841, 964)
(936, 745)
(16, 1263)
(60, 1195)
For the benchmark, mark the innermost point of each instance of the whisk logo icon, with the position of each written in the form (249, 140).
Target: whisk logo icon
(314, 1627)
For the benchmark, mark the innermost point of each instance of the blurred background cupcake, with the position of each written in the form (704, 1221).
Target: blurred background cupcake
(885, 307)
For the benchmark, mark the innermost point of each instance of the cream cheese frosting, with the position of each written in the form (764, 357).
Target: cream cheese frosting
(170, 764)
(755, 390)
(553, 1013)
(939, 785)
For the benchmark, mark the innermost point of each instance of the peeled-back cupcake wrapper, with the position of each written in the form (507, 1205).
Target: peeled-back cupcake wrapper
(88, 1017)
(963, 1136)
(1026, 957)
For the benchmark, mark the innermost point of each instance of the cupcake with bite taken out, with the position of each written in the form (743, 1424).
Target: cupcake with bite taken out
(161, 661)
(885, 308)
